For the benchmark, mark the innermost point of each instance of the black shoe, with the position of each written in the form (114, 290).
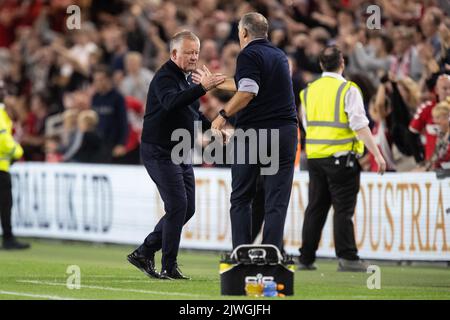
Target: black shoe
(164, 275)
(174, 274)
(345, 265)
(306, 267)
(146, 265)
(13, 244)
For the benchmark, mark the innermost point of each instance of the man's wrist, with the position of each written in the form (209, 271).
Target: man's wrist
(203, 87)
(224, 115)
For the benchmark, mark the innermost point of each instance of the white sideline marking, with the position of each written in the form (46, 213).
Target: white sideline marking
(87, 276)
(30, 295)
(132, 281)
(114, 289)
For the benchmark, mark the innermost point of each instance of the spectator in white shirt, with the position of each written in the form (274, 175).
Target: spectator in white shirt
(137, 79)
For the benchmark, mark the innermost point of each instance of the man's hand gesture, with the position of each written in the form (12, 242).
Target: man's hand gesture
(207, 79)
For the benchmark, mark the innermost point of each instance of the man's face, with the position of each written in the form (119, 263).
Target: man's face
(101, 82)
(186, 55)
(427, 24)
(442, 120)
(401, 43)
(132, 65)
(443, 87)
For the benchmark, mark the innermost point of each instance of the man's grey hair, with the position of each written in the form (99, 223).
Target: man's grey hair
(256, 24)
(178, 38)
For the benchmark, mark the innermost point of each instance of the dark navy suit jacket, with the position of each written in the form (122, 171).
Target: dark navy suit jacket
(172, 103)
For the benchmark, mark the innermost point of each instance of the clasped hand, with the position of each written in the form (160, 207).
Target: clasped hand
(207, 79)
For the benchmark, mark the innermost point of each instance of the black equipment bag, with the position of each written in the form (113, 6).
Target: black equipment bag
(257, 264)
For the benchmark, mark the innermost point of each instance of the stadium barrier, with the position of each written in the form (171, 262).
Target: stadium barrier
(399, 216)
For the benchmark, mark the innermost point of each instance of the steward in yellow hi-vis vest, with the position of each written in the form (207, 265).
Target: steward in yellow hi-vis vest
(336, 131)
(327, 126)
(9, 150)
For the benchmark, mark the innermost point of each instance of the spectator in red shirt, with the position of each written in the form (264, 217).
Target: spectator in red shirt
(423, 123)
(441, 154)
(135, 112)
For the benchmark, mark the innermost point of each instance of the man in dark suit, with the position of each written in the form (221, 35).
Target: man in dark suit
(264, 100)
(172, 104)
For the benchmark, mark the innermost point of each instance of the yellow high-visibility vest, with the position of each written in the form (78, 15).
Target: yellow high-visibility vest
(328, 131)
(9, 149)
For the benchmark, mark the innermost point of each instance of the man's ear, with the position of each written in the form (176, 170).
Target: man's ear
(245, 32)
(173, 54)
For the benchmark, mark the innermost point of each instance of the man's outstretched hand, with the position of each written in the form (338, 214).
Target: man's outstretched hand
(207, 79)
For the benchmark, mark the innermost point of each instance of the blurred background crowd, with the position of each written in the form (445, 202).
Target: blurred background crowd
(80, 95)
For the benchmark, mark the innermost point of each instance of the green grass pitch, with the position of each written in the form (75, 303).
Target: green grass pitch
(40, 273)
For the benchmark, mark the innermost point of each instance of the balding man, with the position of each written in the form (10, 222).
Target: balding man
(172, 104)
(264, 100)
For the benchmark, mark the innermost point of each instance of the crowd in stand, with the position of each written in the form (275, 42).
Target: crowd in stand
(79, 95)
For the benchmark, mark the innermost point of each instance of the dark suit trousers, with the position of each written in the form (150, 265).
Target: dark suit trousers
(176, 185)
(5, 204)
(258, 209)
(276, 189)
(330, 183)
